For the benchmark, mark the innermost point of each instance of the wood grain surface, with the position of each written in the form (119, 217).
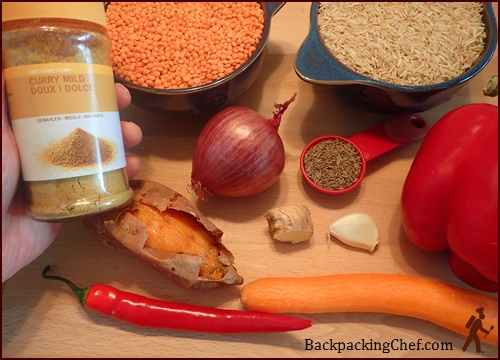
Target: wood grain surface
(43, 319)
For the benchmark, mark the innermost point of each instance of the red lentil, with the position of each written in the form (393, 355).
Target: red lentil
(169, 45)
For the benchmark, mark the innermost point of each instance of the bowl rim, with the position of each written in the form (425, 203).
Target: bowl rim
(269, 8)
(320, 188)
(313, 39)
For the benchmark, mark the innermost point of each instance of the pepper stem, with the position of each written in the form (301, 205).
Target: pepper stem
(491, 87)
(81, 293)
(276, 120)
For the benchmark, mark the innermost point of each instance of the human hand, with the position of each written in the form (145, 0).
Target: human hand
(23, 238)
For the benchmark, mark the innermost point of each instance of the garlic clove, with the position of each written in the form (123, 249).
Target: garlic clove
(356, 229)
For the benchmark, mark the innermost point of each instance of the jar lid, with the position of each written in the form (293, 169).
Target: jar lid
(87, 11)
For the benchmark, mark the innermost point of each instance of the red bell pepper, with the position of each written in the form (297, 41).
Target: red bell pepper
(450, 196)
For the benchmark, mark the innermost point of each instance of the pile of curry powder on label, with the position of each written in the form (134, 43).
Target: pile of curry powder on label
(79, 149)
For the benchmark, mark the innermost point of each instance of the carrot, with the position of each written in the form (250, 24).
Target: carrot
(442, 304)
(170, 45)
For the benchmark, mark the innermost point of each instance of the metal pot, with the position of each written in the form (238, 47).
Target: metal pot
(208, 97)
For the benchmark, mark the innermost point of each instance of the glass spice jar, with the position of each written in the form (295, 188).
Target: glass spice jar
(63, 108)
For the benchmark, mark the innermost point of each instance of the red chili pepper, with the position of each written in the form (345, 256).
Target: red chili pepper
(152, 313)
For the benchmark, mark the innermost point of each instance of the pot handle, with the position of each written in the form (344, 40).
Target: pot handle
(274, 7)
(315, 65)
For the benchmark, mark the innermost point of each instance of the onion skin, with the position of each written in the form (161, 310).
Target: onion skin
(238, 153)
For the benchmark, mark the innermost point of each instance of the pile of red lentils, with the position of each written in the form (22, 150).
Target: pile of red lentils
(167, 45)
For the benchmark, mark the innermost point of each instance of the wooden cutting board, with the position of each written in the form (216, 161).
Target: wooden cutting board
(42, 318)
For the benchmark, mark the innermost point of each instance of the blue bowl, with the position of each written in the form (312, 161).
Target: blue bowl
(315, 64)
(208, 98)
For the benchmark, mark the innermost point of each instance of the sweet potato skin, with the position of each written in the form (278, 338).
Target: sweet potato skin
(124, 231)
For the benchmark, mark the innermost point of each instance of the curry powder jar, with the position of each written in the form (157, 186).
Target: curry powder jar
(63, 109)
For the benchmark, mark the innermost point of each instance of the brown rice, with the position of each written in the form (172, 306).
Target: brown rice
(404, 43)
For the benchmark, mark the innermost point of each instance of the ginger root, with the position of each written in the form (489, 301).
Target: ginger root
(291, 223)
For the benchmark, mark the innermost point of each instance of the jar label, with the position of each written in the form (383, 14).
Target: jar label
(65, 119)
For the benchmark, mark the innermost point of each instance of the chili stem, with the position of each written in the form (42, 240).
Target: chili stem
(81, 293)
(491, 87)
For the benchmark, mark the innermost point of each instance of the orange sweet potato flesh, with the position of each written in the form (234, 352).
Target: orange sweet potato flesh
(165, 230)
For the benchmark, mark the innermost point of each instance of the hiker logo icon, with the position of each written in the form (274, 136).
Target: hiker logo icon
(475, 324)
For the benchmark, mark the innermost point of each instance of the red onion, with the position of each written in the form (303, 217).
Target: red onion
(238, 153)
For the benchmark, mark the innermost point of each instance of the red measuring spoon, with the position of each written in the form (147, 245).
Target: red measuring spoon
(392, 133)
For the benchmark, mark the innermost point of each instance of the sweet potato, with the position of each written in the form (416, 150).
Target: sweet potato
(163, 229)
